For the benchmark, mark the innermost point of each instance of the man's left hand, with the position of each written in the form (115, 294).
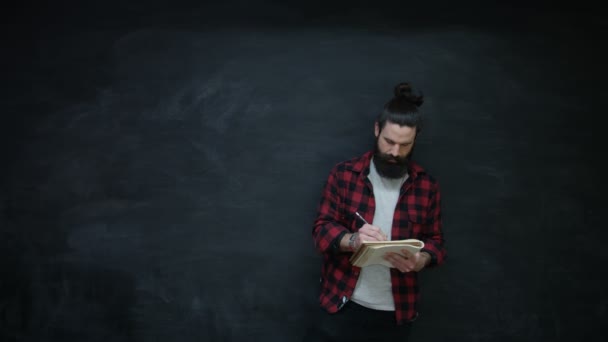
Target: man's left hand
(408, 261)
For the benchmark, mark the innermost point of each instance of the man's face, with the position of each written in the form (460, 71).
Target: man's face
(394, 146)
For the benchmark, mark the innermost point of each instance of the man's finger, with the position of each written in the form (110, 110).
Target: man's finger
(368, 237)
(372, 231)
(407, 253)
(380, 234)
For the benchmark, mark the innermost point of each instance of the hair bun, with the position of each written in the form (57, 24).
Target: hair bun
(404, 90)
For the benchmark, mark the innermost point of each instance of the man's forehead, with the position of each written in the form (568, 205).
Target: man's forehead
(396, 131)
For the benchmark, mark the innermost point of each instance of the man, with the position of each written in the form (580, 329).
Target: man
(400, 200)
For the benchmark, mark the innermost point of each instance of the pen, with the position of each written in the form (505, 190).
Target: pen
(361, 217)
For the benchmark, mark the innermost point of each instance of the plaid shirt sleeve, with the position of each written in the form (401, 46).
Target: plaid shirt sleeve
(338, 276)
(326, 229)
(433, 236)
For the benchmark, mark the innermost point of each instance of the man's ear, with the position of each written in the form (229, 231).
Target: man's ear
(376, 129)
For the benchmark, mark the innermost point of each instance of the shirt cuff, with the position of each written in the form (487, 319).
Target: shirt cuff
(335, 245)
(433, 256)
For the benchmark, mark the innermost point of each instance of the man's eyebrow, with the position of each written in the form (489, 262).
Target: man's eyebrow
(391, 141)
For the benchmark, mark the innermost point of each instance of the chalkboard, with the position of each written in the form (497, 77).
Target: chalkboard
(163, 167)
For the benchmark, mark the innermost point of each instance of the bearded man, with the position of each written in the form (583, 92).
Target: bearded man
(400, 200)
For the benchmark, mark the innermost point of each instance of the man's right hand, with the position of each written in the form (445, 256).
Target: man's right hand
(370, 233)
(365, 233)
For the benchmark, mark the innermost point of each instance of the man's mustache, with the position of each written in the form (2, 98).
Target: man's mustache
(391, 158)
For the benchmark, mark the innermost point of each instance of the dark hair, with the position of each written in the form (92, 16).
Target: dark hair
(402, 109)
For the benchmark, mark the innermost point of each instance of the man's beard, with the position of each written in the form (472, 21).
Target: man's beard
(389, 166)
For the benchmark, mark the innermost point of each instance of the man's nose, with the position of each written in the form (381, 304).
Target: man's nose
(394, 151)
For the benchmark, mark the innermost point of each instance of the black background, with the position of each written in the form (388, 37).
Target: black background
(162, 162)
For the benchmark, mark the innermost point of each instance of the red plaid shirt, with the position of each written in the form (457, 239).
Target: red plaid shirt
(417, 215)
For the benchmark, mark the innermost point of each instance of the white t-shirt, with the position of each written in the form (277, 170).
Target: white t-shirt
(374, 289)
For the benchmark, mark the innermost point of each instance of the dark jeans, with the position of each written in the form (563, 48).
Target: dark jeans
(356, 323)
